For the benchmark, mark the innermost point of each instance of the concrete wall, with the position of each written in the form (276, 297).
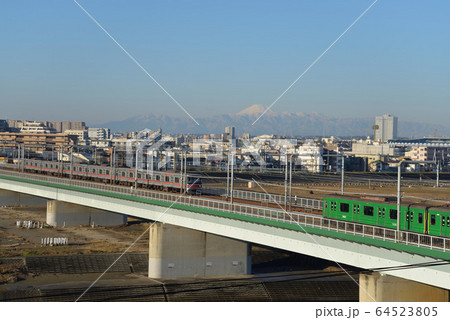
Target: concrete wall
(385, 288)
(60, 214)
(177, 252)
(16, 199)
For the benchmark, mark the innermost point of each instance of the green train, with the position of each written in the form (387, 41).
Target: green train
(382, 211)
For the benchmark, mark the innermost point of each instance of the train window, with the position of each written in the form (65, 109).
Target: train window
(393, 214)
(433, 220)
(177, 180)
(93, 170)
(379, 212)
(100, 171)
(420, 217)
(368, 211)
(139, 176)
(345, 207)
(443, 221)
(157, 178)
(412, 217)
(131, 175)
(167, 179)
(448, 221)
(384, 212)
(107, 171)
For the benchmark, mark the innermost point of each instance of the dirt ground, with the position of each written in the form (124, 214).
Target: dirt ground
(16, 241)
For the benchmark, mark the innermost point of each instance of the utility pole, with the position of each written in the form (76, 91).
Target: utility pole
(399, 188)
(181, 172)
(61, 165)
(228, 176)
(136, 169)
(438, 164)
(286, 183)
(290, 184)
(20, 154)
(342, 174)
(71, 161)
(185, 172)
(18, 157)
(111, 164)
(232, 178)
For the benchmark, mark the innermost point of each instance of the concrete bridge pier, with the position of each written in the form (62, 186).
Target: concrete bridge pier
(177, 252)
(386, 288)
(17, 199)
(60, 214)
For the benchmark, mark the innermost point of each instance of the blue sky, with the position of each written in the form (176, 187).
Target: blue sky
(219, 57)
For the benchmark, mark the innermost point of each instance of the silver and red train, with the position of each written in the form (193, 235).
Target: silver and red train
(159, 180)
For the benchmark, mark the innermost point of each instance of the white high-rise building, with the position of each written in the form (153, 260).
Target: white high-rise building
(386, 128)
(229, 133)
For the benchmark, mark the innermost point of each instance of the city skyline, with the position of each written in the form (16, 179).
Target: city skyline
(222, 58)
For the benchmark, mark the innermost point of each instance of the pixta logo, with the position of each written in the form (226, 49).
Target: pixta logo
(142, 151)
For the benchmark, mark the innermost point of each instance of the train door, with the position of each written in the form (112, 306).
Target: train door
(355, 212)
(417, 220)
(421, 226)
(332, 209)
(445, 225)
(358, 211)
(391, 217)
(381, 213)
(409, 215)
(434, 225)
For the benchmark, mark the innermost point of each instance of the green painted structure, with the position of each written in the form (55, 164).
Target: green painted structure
(413, 217)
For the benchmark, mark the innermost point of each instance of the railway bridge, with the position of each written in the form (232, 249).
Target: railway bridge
(195, 236)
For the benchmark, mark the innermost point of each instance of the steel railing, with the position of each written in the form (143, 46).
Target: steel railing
(294, 218)
(306, 203)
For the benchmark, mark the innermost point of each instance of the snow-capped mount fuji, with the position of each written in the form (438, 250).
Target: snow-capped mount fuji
(254, 110)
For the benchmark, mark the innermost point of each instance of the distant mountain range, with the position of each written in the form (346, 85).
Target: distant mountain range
(278, 123)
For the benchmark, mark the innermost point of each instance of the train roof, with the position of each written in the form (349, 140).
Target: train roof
(442, 209)
(379, 200)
